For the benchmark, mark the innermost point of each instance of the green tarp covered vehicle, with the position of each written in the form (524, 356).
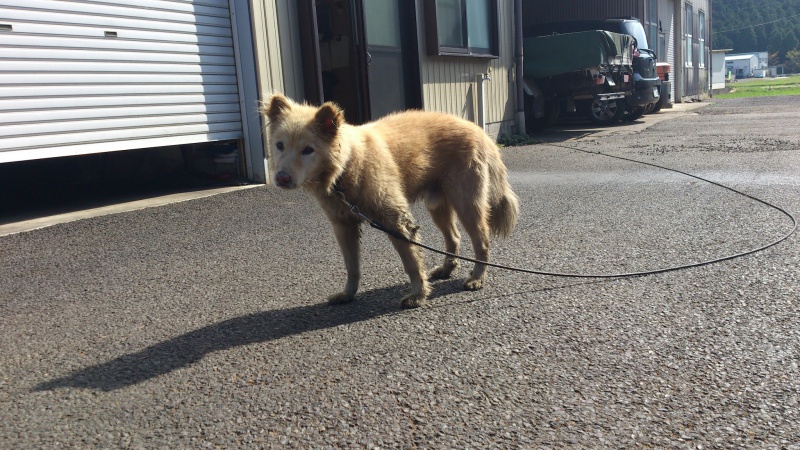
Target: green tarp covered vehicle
(546, 56)
(590, 71)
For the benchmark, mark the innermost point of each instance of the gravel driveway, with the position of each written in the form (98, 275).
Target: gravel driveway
(203, 323)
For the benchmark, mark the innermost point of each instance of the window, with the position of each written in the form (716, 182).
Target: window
(701, 38)
(651, 23)
(688, 32)
(461, 27)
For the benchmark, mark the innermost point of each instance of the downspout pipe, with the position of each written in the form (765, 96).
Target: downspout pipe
(710, 31)
(482, 78)
(518, 73)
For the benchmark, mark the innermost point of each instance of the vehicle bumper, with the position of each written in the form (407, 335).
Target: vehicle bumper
(646, 91)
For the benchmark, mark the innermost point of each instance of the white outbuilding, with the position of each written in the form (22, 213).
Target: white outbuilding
(720, 70)
(746, 65)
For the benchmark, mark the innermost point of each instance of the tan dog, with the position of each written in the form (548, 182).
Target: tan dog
(382, 167)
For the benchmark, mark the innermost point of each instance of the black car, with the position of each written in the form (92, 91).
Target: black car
(647, 84)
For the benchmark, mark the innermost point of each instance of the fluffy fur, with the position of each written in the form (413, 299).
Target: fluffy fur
(385, 165)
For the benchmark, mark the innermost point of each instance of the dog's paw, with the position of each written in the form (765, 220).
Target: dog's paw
(340, 298)
(413, 301)
(473, 284)
(442, 272)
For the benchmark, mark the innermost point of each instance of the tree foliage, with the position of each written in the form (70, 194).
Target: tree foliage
(793, 61)
(756, 26)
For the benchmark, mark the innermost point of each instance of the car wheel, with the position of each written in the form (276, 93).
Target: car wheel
(633, 114)
(606, 111)
(658, 106)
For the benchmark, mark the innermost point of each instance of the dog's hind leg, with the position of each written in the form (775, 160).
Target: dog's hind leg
(477, 227)
(472, 208)
(348, 234)
(444, 218)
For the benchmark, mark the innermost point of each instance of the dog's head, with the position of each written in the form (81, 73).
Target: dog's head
(304, 143)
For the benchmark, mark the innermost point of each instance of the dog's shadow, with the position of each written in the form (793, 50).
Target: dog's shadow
(181, 351)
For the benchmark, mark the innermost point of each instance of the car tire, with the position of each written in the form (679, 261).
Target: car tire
(658, 106)
(604, 112)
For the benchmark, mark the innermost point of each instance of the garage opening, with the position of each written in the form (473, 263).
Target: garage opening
(47, 187)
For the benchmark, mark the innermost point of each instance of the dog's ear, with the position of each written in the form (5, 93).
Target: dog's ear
(328, 119)
(276, 107)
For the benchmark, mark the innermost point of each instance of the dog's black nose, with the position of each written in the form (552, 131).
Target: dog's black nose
(283, 179)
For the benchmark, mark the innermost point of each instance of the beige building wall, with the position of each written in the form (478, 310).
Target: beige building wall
(277, 47)
(451, 84)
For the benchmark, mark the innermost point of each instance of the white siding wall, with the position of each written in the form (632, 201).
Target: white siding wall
(666, 14)
(719, 73)
(88, 76)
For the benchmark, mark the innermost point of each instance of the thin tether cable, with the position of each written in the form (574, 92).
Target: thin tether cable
(394, 233)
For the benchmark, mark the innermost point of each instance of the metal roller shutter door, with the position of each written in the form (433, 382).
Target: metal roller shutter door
(81, 77)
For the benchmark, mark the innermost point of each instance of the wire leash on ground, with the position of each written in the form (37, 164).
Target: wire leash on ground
(398, 235)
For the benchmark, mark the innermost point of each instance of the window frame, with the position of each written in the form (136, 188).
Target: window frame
(432, 33)
(651, 23)
(688, 34)
(701, 39)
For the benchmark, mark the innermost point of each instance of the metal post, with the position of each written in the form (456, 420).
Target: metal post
(518, 72)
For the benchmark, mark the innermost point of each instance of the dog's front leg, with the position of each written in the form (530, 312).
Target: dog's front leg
(348, 234)
(415, 268)
(413, 262)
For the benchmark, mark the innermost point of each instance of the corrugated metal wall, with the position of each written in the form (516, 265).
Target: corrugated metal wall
(544, 11)
(693, 79)
(93, 76)
(666, 14)
(449, 84)
(694, 76)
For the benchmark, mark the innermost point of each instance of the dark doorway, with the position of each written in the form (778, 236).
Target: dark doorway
(361, 54)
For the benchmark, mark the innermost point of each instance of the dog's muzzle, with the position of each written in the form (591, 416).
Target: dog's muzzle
(284, 180)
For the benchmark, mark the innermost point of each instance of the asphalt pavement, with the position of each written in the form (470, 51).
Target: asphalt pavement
(203, 323)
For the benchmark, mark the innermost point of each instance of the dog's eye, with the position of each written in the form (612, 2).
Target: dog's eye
(308, 151)
(279, 145)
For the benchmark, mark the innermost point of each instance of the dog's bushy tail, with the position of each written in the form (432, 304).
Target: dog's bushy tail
(504, 214)
(504, 202)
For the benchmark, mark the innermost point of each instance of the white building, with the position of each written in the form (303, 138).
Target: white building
(747, 65)
(719, 71)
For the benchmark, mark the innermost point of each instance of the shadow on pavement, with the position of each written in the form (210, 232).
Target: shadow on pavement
(183, 350)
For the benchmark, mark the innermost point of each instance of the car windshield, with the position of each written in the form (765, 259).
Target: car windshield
(635, 29)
